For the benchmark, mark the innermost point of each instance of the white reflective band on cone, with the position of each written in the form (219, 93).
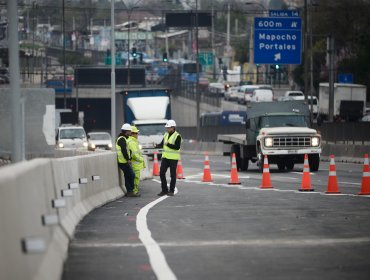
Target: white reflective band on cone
(266, 170)
(366, 174)
(332, 173)
(206, 167)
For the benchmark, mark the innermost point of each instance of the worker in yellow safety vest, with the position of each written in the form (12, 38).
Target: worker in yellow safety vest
(124, 158)
(137, 159)
(171, 145)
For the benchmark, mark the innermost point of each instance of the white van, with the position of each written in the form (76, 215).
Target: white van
(262, 95)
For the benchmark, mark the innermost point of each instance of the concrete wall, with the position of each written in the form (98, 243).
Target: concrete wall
(39, 104)
(41, 202)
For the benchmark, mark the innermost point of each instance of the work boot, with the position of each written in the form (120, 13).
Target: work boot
(171, 194)
(162, 193)
(131, 194)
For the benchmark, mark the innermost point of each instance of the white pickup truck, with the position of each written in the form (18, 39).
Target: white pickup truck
(280, 130)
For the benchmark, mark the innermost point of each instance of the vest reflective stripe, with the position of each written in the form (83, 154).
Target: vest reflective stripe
(120, 157)
(167, 151)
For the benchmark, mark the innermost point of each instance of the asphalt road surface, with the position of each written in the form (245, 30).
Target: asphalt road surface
(221, 231)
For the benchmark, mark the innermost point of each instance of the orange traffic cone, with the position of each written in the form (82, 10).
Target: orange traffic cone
(234, 180)
(365, 184)
(266, 181)
(207, 170)
(179, 172)
(306, 179)
(332, 181)
(155, 165)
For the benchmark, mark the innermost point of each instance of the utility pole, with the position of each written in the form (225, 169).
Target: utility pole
(213, 41)
(64, 58)
(15, 96)
(305, 47)
(330, 44)
(197, 69)
(113, 73)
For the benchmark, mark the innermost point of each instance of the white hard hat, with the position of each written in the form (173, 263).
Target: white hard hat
(170, 123)
(126, 126)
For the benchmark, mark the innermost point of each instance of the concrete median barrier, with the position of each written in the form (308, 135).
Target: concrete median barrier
(42, 201)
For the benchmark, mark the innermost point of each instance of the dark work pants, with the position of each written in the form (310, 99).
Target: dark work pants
(172, 164)
(129, 176)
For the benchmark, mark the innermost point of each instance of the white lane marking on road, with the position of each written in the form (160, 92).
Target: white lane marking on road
(300, 173)
(156, 257)
(350, 183)
(249, 242)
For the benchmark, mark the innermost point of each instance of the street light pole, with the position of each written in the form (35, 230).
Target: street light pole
(64, 58)
(113, 74)
(18, 154)
(197, 69)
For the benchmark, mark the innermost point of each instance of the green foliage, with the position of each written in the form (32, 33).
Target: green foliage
(242, 52)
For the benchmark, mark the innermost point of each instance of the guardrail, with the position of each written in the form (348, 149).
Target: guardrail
(41, 202)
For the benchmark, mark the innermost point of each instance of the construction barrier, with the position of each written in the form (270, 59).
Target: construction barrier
(365, 182)
(234, 179)
(266, 180)
(155, 164)
(306, 177)
(41, 202)
(179, 171)
(332, 180)
(207, 170)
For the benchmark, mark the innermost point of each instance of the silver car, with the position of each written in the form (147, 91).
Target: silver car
(99, 140)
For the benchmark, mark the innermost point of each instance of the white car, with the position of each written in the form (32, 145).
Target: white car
(294, 94)
(69, 136)
(366, 118)
(262, 95)
(99, 140)
(231, 93)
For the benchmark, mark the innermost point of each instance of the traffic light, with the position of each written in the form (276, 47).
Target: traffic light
(164, 58)
(134, 53)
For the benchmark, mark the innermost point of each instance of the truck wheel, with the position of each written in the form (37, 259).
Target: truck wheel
(314, 162)
(289, 165)
(281, 166)
(260, 159)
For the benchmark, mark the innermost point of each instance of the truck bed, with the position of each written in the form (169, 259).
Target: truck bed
(232, 138)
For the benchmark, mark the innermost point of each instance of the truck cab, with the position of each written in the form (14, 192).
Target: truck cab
(285, 138)
(280, 130)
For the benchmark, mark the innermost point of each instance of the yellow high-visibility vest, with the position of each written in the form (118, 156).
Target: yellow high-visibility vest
(167, 151)
(120, 157)
(137, 159)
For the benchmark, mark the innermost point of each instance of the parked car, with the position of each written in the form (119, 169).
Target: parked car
(262, 95)
(70, 136)
(99, 140)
